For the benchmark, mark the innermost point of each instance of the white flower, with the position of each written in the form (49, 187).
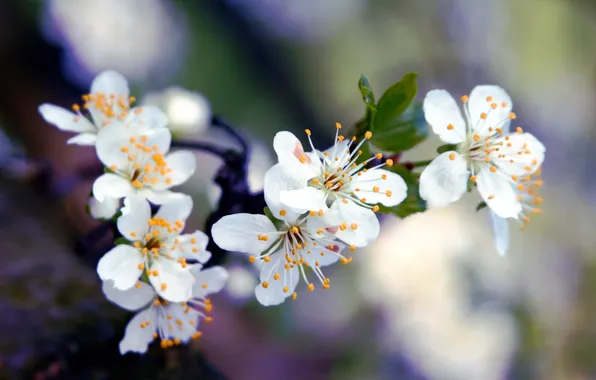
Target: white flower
(139, 164)
(285, 248)
(188, 112)
(108, 102)
(487, 153)
(103, 210)
(158, 248)
(333, 179)
(171, 322)
(527, 194)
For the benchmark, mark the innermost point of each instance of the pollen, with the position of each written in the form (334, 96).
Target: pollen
(338, 125)
(450, 127)
(473, 178)
(276, 276)
(489, 99)
(376, 189)
(483, 115)
(512, 116)
(282, 212)
(307, 131)
(368, 135)
(375, 208)
(311, 287)
(452, 156)
(388, 193)
(164, 286)
(265, 284)
(378, 156)
(465, 98)
(389, 162)
(493, 169)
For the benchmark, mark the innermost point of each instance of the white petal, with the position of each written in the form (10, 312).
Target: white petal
(479, 104)
(182, 164)
(240, 232)
(111, 141)
(291, 153)
(173, 283)
(110, 82)
(121, 265)
(441, 111)
(133, 224)
(83, 139)
(498, 193)
(137, 338)
(361, 224)
(183, 331)
(110, 185)
(65, 120)
(105, 209)
(274, 293)
(192, 247)
(305, 199)
(208, 281)
(374, 188)
(509, 159)
(444, 180)
(131, 299)
(160, 197)
(146, 117)
(501, 231)
(177, 209)
(278, 179)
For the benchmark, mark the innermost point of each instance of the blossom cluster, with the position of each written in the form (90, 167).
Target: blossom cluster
(322, 205)
(154, 269)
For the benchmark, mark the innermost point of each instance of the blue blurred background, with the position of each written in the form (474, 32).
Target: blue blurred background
(431, 299)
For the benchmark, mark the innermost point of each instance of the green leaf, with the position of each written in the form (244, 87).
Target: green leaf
(394, 102)
(413, 202)
(446, 148)
(403, 133)
(480, 206)
(121, 241)
(367, 93)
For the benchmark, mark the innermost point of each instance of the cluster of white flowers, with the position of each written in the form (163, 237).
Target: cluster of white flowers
(154, 269)
(321, 204)
(505, 166)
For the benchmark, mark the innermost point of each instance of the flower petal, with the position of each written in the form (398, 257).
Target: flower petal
(192, 247)
(133, 224)
(183, 331)
(359, 226)
(110, 82)
(240, 233)
(160, 197)
(274, 293)
(303, 200)
(519, 154)
(64, 119)
(444, 180)
(112, 145)
(183, 164)
(83, 139)
(121, 265)
(103, 210)
(498, 193)
(380, 186)
(131, 299)
(173, 282)
(291, 153)
(208, 281)
(146, 117)
(279, 179)
(480, 102)
(110, 185)
(177, 210)
(501, 231)
(137, 338)
(444, 116)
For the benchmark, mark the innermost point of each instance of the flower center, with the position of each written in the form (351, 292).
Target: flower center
(108, 106)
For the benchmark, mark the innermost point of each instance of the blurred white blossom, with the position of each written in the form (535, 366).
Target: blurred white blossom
(424, 297)
(241, 283)
(142, 39)
(188, 112)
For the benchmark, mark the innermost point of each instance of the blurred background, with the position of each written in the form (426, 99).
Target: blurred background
(430, 300)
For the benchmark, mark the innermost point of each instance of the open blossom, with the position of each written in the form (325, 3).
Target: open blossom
(158, 249)
(173, 323)
(333, 179)
(107, 102)
(527, 194)
(103, 210)
(139, 164)
(487, 154)
(284, 248)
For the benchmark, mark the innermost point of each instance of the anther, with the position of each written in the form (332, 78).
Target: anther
(307, 132)
(452, 156)
(368, 135)
(265, 284)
